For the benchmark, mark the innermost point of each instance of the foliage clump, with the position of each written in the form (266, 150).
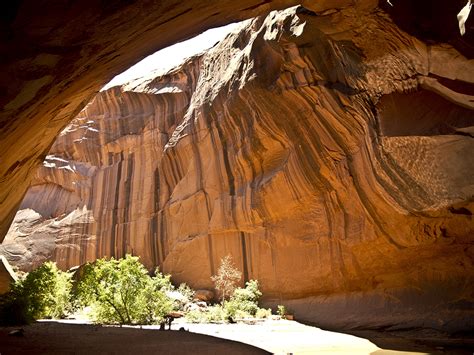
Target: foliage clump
(281, 310)
(120, 291)
(244, 301)
(236, 302)
(43, 293)
(243, 304)
(47, 291)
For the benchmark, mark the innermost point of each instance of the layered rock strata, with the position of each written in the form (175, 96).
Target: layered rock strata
(330, 153)
(56, 57)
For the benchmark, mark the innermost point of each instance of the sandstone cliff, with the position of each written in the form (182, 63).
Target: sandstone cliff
(333, 162)
(56, 56)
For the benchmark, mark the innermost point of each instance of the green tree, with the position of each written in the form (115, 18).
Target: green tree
(120, 291)
(46, 291)
(227, 277)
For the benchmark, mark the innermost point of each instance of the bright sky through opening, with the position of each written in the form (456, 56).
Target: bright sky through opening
(169, 57)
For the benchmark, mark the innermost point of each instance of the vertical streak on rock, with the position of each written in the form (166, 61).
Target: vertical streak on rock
(211, 255)
(162, 240)
(154, 240)
(128, 202)
(225, 157)
(155, 243)
(244, 257)
(117, 194)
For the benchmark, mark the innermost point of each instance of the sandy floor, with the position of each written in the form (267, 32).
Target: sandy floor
(287, 337)
(279, 337)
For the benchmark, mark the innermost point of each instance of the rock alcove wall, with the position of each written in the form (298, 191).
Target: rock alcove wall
(329, 152)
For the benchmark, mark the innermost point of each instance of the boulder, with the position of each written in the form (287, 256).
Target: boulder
(204, 295)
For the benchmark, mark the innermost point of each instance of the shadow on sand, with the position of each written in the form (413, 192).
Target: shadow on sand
(60, 338)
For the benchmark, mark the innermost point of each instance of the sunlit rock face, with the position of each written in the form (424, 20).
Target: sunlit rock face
(7, 275)
(56, 56)
(329, 153)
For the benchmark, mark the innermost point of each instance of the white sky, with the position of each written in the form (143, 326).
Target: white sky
(169, 57)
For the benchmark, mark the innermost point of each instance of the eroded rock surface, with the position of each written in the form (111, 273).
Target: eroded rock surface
(7, 275)
(56, 57)
(330, 153)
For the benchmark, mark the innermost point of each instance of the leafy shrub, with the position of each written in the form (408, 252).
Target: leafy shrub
(244, 301)
(186, 291)
(281, 310)
(216, 314)
(250, 293)
(242, 304)
(213, 314)
(196, 316)
(263, 313)
(120, 291)
(161, 282)
(243, 309)
(157, 304)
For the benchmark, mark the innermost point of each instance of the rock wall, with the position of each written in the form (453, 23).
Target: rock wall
(7, 275)
(56, 56)
(330, 153)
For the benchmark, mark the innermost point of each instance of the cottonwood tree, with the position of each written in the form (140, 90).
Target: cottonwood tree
(121, 291)
(43, 293)
(47, 290)
(227, 277)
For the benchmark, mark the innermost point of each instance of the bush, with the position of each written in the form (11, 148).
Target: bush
(160, 281)
(243, 309)
(216, 314)
(244, 301)
(186, 291)
(213, 314)
(121, 292)
(196, 316)
(263, 313)
(281, 310)
(157, 304)
(242, 304)
(250, 293)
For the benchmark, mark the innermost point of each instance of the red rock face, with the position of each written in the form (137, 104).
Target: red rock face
(330, 154)
(55, 57)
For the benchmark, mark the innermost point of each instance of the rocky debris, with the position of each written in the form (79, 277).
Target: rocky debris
(17, 332)
(204, 295)
(195, 306)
